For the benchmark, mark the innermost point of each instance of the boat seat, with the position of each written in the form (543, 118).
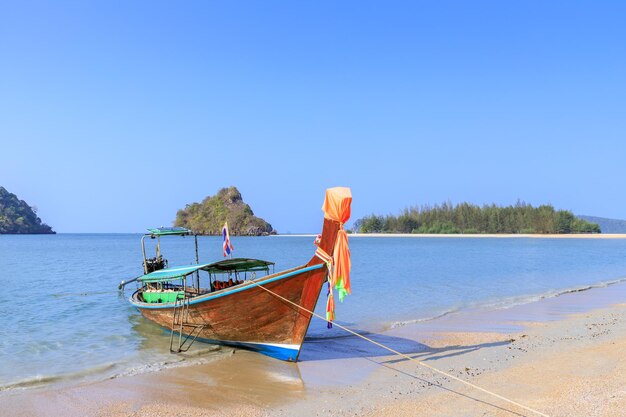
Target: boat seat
(156, 296)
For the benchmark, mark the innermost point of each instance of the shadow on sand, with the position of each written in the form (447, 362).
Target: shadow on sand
(350, 346)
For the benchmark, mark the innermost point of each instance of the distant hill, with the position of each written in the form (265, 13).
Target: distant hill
(17, 217)
(208, 217)
(606, 225)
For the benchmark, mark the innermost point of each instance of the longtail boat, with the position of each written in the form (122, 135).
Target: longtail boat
(226, 303)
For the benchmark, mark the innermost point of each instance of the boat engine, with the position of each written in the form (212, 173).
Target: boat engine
(155, 264)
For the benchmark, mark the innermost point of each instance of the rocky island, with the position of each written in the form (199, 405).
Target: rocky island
(17, 217)
(208, 217)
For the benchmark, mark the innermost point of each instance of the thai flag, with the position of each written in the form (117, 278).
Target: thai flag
(228, 247)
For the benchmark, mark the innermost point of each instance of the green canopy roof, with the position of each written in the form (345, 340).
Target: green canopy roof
(171, 274)
(177, 231)
(238, 264)
(229, 265)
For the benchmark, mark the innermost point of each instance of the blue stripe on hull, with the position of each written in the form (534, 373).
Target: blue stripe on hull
(277, 352)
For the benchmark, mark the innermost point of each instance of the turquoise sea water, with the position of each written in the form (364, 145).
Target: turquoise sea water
(65, 321)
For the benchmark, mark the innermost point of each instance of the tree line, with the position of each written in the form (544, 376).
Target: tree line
(472, 219)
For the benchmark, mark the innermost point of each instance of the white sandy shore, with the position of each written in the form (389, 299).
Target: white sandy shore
(562, 365)
(460, 235)
(507, 236)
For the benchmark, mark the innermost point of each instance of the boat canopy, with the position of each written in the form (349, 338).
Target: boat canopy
(221, 267)
(176, 231)
(238, 265)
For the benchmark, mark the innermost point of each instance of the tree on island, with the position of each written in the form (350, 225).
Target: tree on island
(209, 216)
(17, 217)
(470, 218)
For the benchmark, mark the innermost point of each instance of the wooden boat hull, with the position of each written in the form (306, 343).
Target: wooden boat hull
(250, 317)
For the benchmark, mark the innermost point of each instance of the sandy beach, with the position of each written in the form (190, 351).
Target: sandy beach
(562, 356)
(486, 235)
(504, 236)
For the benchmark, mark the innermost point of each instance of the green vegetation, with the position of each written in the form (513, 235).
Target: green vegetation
(17, 217)
(469, 218)
(209, 216)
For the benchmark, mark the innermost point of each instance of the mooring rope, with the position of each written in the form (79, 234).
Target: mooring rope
(432, 368)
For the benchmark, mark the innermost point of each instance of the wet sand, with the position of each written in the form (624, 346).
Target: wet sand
(563, 356)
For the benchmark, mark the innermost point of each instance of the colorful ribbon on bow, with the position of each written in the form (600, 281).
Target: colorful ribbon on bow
(336, 207)
(338, 271)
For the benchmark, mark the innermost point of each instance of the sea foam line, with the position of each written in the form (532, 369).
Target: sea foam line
(103, 372)
(509, 302)
(40, 380)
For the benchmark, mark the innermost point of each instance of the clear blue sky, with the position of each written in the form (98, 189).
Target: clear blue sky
(115, 114)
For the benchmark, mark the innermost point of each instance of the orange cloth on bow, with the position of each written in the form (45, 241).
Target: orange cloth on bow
(337, 204)
(342, 264)
(337, 207)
